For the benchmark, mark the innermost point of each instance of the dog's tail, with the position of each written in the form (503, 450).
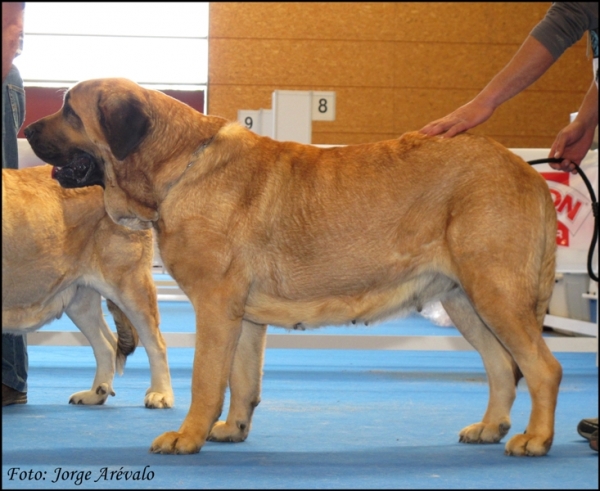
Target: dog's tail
(127, 336)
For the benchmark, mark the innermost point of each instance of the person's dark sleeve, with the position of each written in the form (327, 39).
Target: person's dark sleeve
(564, 24)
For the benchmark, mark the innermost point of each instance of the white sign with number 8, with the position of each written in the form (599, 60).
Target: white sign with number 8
(323, 106)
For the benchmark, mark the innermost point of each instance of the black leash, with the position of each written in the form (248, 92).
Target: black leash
(594, 209)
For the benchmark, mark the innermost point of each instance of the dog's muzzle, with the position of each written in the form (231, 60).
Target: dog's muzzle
(73, 167)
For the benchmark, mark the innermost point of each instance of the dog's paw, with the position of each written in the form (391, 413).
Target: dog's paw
(159, 400)
(92, 397)
(173, 442)
(529, 445)
(223, 432)
(483, 433)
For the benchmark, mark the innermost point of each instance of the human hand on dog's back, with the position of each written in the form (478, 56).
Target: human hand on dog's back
(472, 114)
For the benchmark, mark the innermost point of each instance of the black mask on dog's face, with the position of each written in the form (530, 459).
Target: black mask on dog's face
(82, 170)
(73, 168)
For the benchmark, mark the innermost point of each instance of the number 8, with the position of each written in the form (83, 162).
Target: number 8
(322, 106)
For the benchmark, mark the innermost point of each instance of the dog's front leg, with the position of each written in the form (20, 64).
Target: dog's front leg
(217, 332)
(244, 385)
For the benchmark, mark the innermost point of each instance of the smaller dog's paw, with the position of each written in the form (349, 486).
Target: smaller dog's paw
(529, 445)
(483, 433)
(159, 400)
(92, 397)
(173, 442)
(223, 432)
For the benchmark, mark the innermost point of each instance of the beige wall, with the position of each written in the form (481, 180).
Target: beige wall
(394, 66)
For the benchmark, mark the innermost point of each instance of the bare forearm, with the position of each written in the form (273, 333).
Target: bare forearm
(528, 64)
(588, 111)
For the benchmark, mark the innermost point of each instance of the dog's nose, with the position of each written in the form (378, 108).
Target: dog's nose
(29, 131)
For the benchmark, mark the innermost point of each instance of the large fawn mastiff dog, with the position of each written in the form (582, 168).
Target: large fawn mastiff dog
(60, 253)
(257, 231)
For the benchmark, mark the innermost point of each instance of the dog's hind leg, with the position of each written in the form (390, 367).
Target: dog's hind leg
(502, 372)
(509, 282)
(244, 385)
(511, 310)
(85, 310)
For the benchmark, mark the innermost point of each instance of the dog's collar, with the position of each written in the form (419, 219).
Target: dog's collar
(197, 152)
(194, 157)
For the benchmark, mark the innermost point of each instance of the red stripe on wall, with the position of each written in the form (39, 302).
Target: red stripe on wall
(43, 101)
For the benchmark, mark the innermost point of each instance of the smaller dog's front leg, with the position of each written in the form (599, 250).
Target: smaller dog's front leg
(244, 385)
(216, 340)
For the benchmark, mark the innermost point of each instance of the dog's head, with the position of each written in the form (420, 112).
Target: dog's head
(91, 116)
(101, 122)
(116, 134)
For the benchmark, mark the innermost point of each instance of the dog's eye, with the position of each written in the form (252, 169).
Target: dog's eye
(70, 115)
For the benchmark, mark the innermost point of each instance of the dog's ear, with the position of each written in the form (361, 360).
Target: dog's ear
(124, 121)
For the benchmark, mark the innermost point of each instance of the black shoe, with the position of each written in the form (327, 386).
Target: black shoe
(587, 426)
(12, 396)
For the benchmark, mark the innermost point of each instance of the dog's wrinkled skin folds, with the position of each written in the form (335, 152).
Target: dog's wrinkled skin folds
(257, 232)
(60, 253)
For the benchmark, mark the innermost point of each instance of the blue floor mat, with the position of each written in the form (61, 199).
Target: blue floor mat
(328, 419)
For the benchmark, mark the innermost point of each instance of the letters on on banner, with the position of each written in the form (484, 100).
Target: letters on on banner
(573, 209)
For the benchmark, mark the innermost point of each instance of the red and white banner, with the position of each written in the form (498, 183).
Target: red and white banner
(573, 208)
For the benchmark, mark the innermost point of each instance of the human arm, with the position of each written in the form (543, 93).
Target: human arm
(562, 26)
(574, 141)
(528, 64)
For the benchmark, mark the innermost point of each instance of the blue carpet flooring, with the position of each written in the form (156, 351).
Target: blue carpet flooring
(328, 419)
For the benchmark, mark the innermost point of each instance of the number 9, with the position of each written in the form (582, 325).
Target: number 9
(248, 122)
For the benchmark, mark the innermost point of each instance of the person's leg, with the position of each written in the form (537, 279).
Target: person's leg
(14, 348)
(14, 369)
